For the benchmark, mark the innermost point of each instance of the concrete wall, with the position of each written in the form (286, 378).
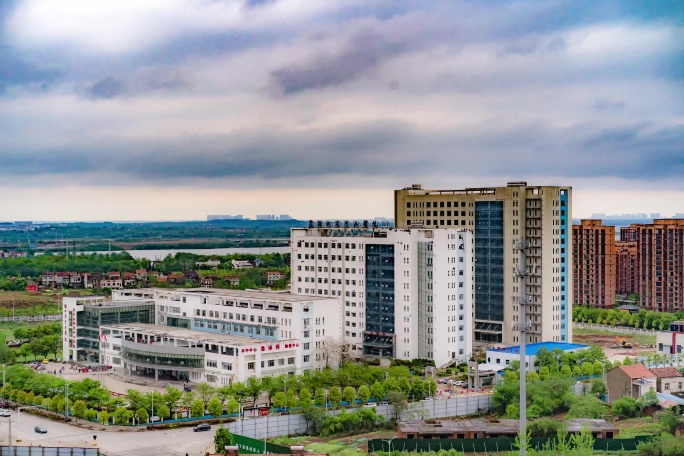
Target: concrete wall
(277, 426)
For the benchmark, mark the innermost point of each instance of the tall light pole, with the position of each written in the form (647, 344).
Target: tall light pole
(522, 326)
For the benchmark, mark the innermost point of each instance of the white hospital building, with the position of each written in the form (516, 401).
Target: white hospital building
(407, 293)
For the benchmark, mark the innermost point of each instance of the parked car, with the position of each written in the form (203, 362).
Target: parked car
(40, 430)
(4, 412)
(459, 383)
(383, 403)
(4, 404)
(370, 404)
(201, 427)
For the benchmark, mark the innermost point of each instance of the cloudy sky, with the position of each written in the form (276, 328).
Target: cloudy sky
(174, 109)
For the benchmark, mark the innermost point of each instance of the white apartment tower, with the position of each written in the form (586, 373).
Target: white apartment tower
(499, 217)
(407, 293)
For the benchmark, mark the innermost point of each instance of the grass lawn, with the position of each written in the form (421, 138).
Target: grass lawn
(641, 339)
(354, 445)
(8, 328)
(638, 426)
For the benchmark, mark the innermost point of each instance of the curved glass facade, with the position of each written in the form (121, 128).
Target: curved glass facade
(163, 359)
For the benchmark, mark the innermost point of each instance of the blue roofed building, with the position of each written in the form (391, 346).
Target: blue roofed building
(506, 355)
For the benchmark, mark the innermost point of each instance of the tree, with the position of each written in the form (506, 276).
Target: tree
(103, 417)
(319, 398)
(314, 417)
(233, 406)
(205, 392)
(121, 415)
(215, 407)
(399, 403)
(254, 389)
(222, 439)
(90, 415)
(25, 351)
(626, 407)
(280, 400)
(650, 398)
(187, 399)
(377, 391)
(349, 394)
(172, 397)
(565, 371)
(79, 408)
(364, 393)
(197, 409)
(586, 407)
(304, 398)
(334, 396)
(163, 411)
(670, 420)
(143, 416)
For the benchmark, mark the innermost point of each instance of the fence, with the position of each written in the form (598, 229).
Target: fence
(51, 317)
(249, 445)
(492, 445)
(622, 329)
(295, 424)
(48, 451)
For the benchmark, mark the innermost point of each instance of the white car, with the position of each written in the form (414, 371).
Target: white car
(4, 412)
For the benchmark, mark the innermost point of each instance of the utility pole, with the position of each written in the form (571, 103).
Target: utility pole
(522, 326)
(10, 436)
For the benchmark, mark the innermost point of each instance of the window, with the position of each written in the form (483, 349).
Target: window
(307, 358)
(211, 363)
(306, 346)
(227, 366)
(271, 363)
(250, 366)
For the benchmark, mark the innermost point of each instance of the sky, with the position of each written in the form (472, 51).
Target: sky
(175, 109)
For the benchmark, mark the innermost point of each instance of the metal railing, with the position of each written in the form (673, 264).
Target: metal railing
(51, 317)
(623, 329)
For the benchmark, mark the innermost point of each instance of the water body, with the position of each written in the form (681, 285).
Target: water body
(155, 255)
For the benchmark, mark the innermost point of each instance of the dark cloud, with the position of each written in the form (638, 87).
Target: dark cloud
(363, 52)
(106, 88)
(386, 148)
(15, 71)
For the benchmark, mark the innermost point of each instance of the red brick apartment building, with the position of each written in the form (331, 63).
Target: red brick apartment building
(626, 267)
(660, 264)
(594, 264)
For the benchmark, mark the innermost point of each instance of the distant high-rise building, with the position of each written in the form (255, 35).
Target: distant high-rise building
(284, 217)
(655, 215)
(660, 260)
(499, 216)
(593, 264)
(224, 217)
(628, 234)
(266, 217)
(626, 267)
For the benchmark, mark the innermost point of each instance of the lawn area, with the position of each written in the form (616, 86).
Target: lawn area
(638, 426)
(7, 328)
(354, 445)
(585, 335)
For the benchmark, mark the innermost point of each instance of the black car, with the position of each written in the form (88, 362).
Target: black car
(40, 430)
(201, 427)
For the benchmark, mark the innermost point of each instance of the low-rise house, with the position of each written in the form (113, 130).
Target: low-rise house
(668, 380)
(232, 280)
(47, 279)
(241, 264)
(208, 281)
(112, 281)
(62, 278)
(633, 381)
(141, 274)
(273, 276)
(192, 277)
(176, 277)
(209, 263)
(129, 279)
(75, 280)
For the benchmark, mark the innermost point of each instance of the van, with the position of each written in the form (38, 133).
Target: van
(370, 405)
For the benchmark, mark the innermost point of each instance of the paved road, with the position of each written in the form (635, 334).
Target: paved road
(143, 443)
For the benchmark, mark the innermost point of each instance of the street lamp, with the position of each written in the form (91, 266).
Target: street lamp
(173, 441)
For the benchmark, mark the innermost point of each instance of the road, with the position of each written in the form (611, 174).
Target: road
(163, 442)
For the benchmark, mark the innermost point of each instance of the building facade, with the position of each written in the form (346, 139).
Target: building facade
(499, 216)
(407, 293)
(307, 327)
(632, 381)
(660, 262)
(82, 318)
(626, 267)
(594, 264)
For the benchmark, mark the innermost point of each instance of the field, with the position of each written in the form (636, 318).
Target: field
(21, 299)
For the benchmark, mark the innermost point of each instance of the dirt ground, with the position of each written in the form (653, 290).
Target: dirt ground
(23, 299)
(610, 348)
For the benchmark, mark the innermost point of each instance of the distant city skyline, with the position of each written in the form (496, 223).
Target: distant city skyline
(174, 110)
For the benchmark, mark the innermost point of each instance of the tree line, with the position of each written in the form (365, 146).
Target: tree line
(644, 319)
